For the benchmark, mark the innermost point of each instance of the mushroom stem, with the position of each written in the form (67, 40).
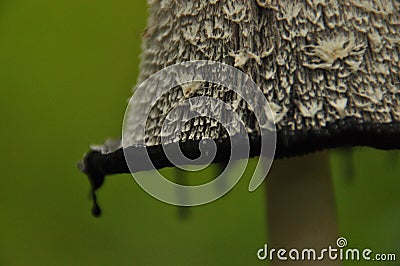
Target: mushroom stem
(301, 206)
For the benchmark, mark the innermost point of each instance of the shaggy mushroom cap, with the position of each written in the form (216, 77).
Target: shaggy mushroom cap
(329, 70)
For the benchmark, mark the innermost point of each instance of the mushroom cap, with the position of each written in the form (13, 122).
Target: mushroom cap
(329, 69)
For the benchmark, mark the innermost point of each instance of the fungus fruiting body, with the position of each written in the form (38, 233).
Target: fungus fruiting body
(329, 70)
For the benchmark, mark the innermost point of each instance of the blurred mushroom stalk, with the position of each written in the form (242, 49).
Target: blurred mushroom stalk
(301, 208)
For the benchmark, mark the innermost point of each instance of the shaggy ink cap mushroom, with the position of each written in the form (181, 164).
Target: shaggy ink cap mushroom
(330, 72)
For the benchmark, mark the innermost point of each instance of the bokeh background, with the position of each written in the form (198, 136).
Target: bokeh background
(66, 72)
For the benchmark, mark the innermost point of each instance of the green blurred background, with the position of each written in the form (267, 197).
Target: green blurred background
(66, 72)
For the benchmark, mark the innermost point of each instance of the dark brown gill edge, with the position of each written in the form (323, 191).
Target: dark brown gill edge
(347, 132)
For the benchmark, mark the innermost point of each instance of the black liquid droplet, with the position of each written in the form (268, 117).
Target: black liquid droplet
(183, 212)
(95, 174)
(96, 211)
